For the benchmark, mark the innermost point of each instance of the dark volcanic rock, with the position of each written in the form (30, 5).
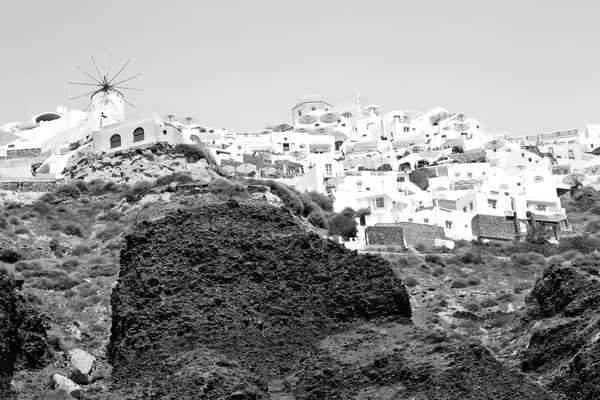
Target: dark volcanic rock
(22, 334)
(218, 301)
(565, 328)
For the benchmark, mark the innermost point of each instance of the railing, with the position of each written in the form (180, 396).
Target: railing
(552, 210)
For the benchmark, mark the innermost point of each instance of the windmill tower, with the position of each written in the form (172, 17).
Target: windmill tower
(105, 95)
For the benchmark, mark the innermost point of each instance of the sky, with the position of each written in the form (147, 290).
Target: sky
(524, 66)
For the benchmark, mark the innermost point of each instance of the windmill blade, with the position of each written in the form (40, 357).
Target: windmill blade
(127, 88)
(83, 95)
(121, 70)
(86, 107)
(127, 102)
(94, 79)
(108, 67)
(128, 79)
(80, 83)
(97, 69)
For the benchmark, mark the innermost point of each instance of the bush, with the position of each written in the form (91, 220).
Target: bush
(15, 220)
(174, 177)
(583, 244)
(425, 267)
(81, 249)
(58, 281)
(471, 258)
(82, 185)
(308, 205)
(103, 270)
(55, 226)
(194, 153)
(586, 197)
(109, 232)
(288, 196)
(343, 226)
(73, 230)
(11, 205)
(459, 284)
(488, 303)
(69, 265)
(435, 259)
(317, 218)
(137, 191)
(438, 271)
(225, 189)
(419, 178)
(411, 281)
(528, 258)
(42, 208)
(3, 222)
(21, 231)
(472, 306)
(111, 215)
(323, 201)
(67, 190)
(593, 227)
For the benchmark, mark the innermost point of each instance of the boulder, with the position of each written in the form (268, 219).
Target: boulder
(62, 382)
(81, 366)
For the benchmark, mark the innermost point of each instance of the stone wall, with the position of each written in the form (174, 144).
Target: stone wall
(493, 226)
(404, 233)
(574, 230)
(448, 204)
(28, 186)
(22, 153)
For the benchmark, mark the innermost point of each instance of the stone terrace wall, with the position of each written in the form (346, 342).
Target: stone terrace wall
(493, 226)
(28, 186)
(23, 153)
(384, 235)
(421, 233)
(577, 228)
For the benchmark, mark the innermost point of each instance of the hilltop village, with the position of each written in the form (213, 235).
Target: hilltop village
(431, 177)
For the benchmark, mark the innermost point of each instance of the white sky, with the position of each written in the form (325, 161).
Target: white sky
(528, 66)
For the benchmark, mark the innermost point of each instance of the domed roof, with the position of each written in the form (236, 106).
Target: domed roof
(310, 98)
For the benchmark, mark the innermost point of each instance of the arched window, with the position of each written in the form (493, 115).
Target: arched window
(347, 115)
(115, 141)
(138, 135)
(538, 179)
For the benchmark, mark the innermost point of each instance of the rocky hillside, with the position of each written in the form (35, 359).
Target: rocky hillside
(563, 329)
(237, 301)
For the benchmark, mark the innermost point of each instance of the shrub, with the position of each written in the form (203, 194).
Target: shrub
(138, 190)
(583, 243)
(411, 281)
(111, 215)
(67, 190)
(425, 267)
(419, 178)
(194, 153)
(308, 205)
(287, 195)
(586, 197)
(226, 189)
(96, 187)
(471, 258)
(593, 227)
(42, 208)
(69, 265)
(3, 222)
(458, 284)
(11, 205)
(528, 258)
(323, 201)
(81, 249)
(438, 271)
(488, 303)
(21, 231)
(435, 259)
(174, 177)
(109, 232)
(82, 185)
(499, 321)
(472, 306)
(55, 226)
(317, 218)
(343, 226)
(473, 281)
(58, 281)
(73, 230)
(15, 220)
(103, 270)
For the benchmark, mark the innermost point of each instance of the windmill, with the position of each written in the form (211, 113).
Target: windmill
(107, 94)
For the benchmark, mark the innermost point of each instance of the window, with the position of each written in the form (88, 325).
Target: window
(401, 179)
(522, 155)
(359, 186)
(471, 206)
(551, 150)
(379, 203)
(406, 129)
(492, 203)
(164, 131)
(518, 183)
(313, 108)
(571, 155)
(541, 207)
(444, 137)
(328, 171)
(410, 220)
(115, 141)
(457, 174)
(469, 175)
(347, 115)
(239, 147)
(286, 147)
(301, 146)
(299, 113)
(465, 209)
(425, 220)
(448, 224)
(538, 179)
(494, 192)
(529, 159)
(138, 135)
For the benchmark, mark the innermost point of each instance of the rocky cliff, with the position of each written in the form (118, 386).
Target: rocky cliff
(564, 328)
(23, 342)
(237, 301)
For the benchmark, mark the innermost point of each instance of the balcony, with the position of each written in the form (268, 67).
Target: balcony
(548, 214)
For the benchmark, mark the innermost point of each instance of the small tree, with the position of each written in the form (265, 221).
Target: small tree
(342, 225)
(419, 178)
